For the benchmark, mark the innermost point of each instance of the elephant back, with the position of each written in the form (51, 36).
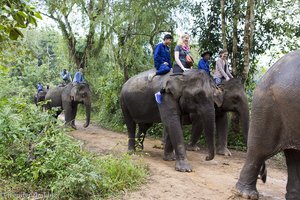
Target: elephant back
(54, 96)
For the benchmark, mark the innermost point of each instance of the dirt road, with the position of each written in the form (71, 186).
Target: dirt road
(213, 180)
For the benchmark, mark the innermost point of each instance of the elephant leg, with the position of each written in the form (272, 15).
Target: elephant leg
(293, 165)
(74, 113)
(131, 128)
(265, 135)
(143, 127)
(168, 148)
(222, 133)
(67, 107)
(175, 134)
(170, 117)
(261, 146)
(197, 128)
(246, 185)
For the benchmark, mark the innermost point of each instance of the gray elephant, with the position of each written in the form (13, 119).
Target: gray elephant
(67, 98)
(274, 126)
(234, 99)
(191, 92)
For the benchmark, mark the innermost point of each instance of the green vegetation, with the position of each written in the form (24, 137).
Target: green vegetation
(113, 40)
(36, 154)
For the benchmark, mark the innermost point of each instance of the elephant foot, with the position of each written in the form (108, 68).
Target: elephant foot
(131, 149)
(183, 166)
(192, 147)
(85, 125)
(74, 126)
(169, 156)
(245, 192)
(139, 147)
(223, 151)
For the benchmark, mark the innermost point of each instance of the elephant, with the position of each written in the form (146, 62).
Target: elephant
(39, 96)
(234, 99)
(274, 126)
(190, 92)
(67, 98)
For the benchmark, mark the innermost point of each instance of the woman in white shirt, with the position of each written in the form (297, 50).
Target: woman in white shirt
(222, 71)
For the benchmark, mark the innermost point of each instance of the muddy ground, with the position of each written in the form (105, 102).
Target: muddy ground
(211, 180)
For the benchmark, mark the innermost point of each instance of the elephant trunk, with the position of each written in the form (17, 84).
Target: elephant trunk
(244, 117)
(88, 114)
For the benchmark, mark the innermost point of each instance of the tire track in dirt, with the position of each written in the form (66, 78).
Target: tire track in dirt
(213, 180)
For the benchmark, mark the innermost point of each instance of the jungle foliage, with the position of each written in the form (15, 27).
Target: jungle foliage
(113, 40)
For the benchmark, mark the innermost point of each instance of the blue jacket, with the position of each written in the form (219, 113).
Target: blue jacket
(204, 65)
(66, 76)
(161, 55)
(78, 78)
(39, 87)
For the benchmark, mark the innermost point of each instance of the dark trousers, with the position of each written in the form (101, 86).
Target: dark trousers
(163, 69)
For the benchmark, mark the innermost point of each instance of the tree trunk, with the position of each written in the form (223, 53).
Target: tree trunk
(248, 37)
(235, 37)
(223, 24)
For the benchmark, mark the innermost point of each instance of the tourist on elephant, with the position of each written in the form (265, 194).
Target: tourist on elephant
(183, 58)
(222, 71)
(78, 78)
(66, 76)
(204, 62)
(162, 57)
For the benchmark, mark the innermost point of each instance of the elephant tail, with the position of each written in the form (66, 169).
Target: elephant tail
(263, 173)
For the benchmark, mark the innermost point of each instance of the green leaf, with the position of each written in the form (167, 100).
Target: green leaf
(22, 14)
(38, 15)
(19, 18)
(32, 20)
(15, 33)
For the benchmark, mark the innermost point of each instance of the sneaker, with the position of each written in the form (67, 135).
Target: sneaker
(158, 97)
(151, 76)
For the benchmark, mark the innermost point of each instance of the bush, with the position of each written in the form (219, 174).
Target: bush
(106, 100)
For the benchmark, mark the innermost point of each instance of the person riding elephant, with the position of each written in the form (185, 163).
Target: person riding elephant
(234, 99)
(67, 98)
(66, 76)
(162, 57)
(191, 92)
(274, 127)
(222, 70)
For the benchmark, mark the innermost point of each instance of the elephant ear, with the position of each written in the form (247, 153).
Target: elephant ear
(218, 96)
(174, 85)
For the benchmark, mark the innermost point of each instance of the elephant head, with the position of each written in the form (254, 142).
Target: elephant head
(81, 93)
(40, 96)
(194, 93)
(234, 99)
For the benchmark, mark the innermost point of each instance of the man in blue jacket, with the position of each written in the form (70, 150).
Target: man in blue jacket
(204, 62)
(162, 57)
(78, 78)
(66, 76)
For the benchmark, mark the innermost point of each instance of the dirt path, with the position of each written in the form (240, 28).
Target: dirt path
(212, 180)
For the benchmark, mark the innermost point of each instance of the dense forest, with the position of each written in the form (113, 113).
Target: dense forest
(113, 41)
